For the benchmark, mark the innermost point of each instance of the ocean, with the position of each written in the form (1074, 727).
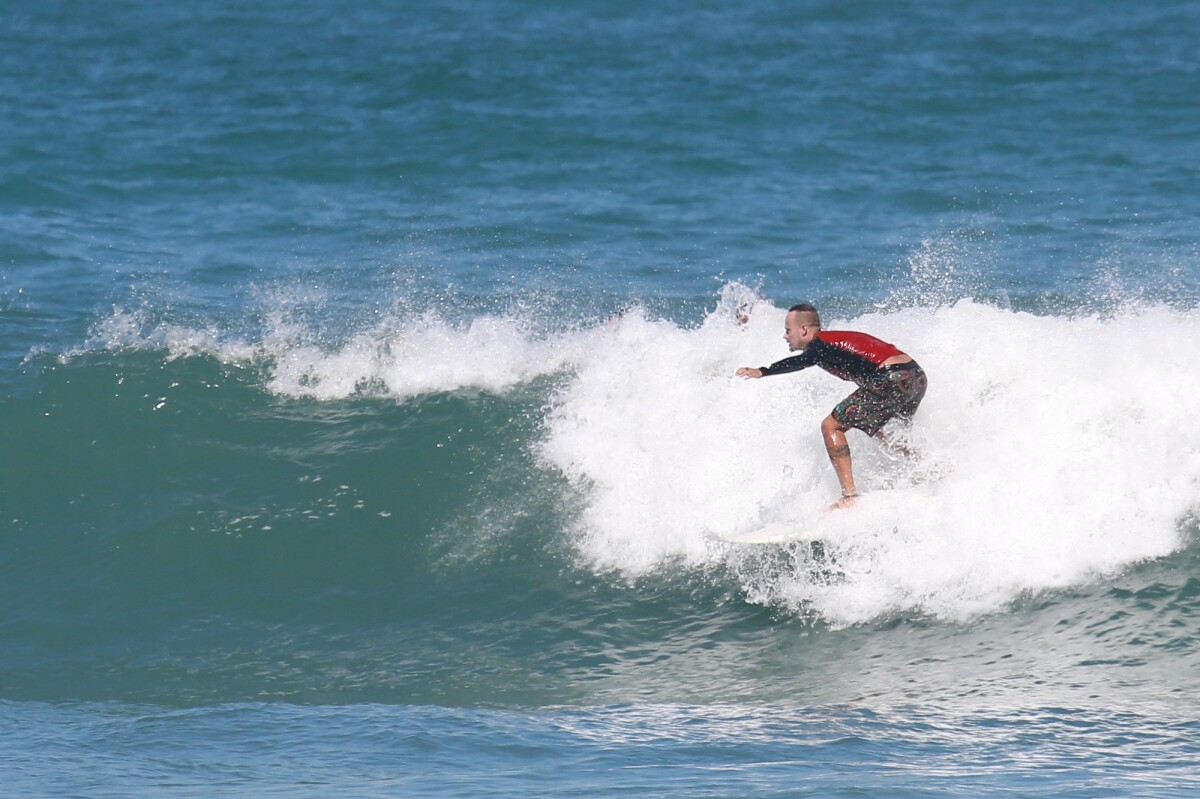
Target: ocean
(369, 424)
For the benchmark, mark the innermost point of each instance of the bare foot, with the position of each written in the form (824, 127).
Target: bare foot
(847, 501)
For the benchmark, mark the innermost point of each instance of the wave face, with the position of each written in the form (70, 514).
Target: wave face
(193, 514)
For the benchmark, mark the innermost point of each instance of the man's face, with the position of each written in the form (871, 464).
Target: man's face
(796, 332)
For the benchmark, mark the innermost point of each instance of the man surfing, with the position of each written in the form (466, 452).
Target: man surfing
(890, 384)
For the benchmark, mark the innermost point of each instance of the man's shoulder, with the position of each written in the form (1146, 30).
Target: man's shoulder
(849, 338)
(832, 336)
(840, 338)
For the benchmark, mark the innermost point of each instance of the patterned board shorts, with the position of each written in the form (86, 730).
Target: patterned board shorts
(893, 392)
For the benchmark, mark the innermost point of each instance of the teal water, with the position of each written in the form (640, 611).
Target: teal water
(369, 428)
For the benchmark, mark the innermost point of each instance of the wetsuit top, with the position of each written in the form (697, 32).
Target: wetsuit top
(848, 355)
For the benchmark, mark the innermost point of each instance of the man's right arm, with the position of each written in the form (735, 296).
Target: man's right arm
(792, 364)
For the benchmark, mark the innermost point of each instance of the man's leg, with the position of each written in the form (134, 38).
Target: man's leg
(834, 433)
(904, 390)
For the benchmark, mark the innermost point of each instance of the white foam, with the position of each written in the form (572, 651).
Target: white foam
(405, 357)
(1065, 447)
(401, 356)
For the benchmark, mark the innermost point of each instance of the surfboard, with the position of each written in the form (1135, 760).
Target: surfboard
(776, 533)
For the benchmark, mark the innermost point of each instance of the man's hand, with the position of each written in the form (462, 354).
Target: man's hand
(747, 372)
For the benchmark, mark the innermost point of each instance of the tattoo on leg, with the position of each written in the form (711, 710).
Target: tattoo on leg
(839, 451)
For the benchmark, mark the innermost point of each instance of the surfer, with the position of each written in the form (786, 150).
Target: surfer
(890, 384)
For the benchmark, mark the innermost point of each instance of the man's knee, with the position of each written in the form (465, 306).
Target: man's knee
(833, 432)
(830, 426)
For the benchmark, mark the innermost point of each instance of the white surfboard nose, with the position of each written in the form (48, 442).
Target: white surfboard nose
(776, 533)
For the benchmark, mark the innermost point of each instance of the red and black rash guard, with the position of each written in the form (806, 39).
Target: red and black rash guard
(848, 355)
